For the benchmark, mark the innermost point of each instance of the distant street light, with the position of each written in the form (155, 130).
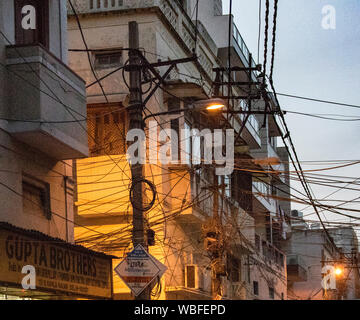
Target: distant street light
(339, 271)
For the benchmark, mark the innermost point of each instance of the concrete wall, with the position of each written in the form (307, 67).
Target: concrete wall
(345, 238)
(313, 248)
(17, 158)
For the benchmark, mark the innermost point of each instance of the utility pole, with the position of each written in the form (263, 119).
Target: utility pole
(216, 281)
(136, 122)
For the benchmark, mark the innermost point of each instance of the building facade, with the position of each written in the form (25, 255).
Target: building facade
(218, 235)
(310, 257)
(42, 128)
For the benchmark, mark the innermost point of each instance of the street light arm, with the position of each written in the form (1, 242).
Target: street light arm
(197, 105)
(153, 115)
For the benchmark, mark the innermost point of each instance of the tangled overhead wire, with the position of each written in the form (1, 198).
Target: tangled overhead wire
(152, 189)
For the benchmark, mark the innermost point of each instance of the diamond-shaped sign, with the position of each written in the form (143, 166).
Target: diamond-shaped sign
(138, 270)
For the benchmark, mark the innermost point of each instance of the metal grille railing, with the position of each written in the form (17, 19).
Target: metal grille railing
(107, 132)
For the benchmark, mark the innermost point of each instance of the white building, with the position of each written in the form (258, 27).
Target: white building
(237, 258)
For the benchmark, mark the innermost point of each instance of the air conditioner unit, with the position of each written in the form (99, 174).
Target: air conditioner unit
(193, 277)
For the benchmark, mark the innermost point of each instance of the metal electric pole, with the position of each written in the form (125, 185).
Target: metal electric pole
(136, 122)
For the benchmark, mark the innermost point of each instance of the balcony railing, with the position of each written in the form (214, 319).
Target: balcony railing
(269, 252)
(265, 196)
(262, 187)
(252, 126)
(242, 45)
(252, 119)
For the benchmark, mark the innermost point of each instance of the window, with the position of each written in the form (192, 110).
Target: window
(218, 7)
(108, 60)
(234, 267)
(241, 190)
(187, 144)
(183, 3)
(256, 288)
(191, 276)
(281, 260)
(39, 35)
(271, 293)
(107, 127)
(227, 182)
(36, 197)
(272, 141)
(257, 242)
(106, 3)
(175, 140)
(174, 105)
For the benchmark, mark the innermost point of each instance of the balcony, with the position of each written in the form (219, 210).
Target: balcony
(172, 13)
(45, 97)
(269, 252)
(241, 47)
(240, 54)
(249, 134)
(262, 202)
(296, 268)
(268, 151)
(252, 127)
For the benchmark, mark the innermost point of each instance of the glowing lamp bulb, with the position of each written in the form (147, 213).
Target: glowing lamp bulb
(215, 107)
(338, 271)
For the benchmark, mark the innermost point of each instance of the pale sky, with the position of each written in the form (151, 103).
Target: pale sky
(317, 63)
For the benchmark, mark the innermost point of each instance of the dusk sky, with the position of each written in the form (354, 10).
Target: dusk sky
(313, 62)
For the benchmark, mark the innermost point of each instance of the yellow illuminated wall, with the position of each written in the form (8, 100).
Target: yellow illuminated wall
(103, 206)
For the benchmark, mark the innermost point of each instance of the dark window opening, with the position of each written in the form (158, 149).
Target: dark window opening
(36, 197)
(183, 3)
(271, 293)
(233, 265)
(108, 60)
(257, 243)
(256, 288)
(173, 104)
(190, 277)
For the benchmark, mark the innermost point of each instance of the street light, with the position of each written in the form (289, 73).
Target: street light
(209, 104)
(338, 271)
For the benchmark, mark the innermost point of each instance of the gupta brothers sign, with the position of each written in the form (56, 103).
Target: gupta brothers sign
(59, 266)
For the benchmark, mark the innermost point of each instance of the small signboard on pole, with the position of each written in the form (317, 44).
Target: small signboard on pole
(139, 269)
